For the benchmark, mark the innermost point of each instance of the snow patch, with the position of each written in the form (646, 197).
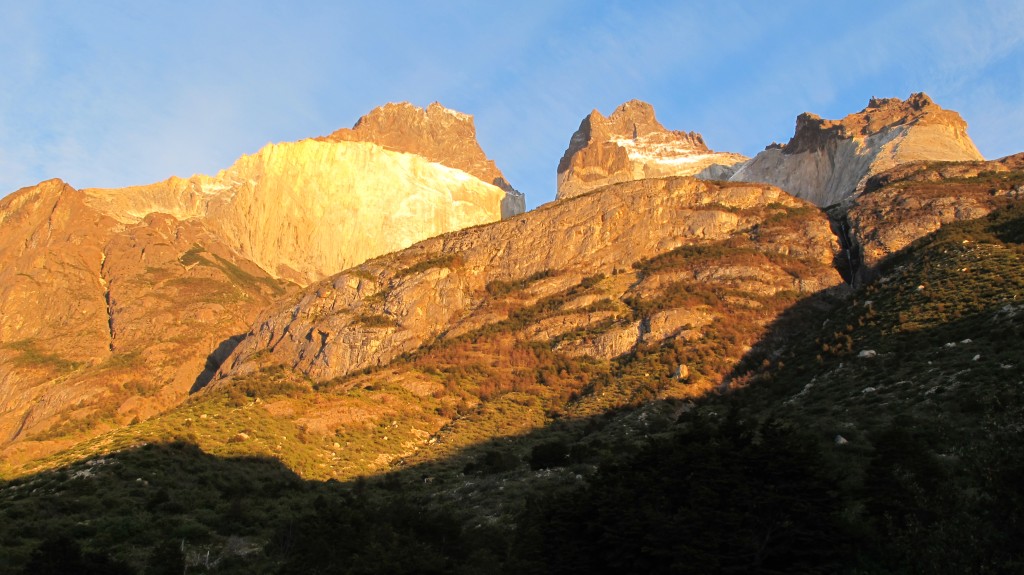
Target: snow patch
(456, 114)
(668, 153)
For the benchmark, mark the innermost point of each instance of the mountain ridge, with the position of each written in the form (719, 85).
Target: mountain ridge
(582, 384)
(118, 303)
(429, 288)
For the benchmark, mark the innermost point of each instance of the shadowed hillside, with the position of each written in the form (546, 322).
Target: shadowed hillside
(821, 458)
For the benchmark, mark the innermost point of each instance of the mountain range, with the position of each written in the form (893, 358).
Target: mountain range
(366, 337)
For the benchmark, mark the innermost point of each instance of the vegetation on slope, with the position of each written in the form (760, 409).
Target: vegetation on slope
(820, 459)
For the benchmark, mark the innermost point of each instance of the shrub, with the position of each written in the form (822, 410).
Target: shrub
(549, 454)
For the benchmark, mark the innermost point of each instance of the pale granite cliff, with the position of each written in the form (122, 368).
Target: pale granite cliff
(307, 209)
(438, 134)
(828, 161)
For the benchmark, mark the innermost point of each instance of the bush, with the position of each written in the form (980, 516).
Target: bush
(550, 454)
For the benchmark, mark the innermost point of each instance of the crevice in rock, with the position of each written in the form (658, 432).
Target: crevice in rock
(848, 261)
(106, 300)
(21, 427)
(215, 360)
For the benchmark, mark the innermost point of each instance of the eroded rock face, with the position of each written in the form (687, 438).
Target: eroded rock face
(828, 161)
(910, 201)
(632, 145)
(438, 134)
(308, 209)
(369, 315)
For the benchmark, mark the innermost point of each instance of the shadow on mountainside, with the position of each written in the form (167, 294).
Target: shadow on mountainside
(215, 360)
(962, 282)
(875, 430)
(503, 512)
(754, 481)
(733, 484)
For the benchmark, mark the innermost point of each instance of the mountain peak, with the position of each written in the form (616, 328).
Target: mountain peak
(635, 118)
(813, 132)
(827, 161)
(631, 144)
(437, 133)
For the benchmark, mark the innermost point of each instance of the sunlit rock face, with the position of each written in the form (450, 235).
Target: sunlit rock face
(307, 209)
(438, 288)
(115, 304)
(632, 145)
(438, 134)
(105, 321)
(828, 161)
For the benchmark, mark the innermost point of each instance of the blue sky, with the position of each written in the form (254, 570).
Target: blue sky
(106, 94)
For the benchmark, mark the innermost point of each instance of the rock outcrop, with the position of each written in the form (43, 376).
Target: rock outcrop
(438, 134)
(632, 145)
(913, 200)
(369, 315)
(828, 161)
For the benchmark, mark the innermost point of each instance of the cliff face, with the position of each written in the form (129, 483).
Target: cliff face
(51, 238)
(828, 161)
(632, 145)
(308, 209)
(444, 286)
(437, 134)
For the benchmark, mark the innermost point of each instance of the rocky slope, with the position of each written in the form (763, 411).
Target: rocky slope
(117, 303)
(827, 161)
(823, 449)
(438, 134)
(632, 145)
(635, 292)
(913, 200)
(103, 323)
(369, 315)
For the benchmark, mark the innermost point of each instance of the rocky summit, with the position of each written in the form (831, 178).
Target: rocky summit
(304, 210)
(828, 161)
(438, 134)
(632, 145)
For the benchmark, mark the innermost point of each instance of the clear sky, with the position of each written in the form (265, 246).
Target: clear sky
(107, 94)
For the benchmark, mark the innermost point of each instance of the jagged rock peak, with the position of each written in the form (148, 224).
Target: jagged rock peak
(829, 161)
(812, 132)
(631, 144)
(436, 133)
(632, 120)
